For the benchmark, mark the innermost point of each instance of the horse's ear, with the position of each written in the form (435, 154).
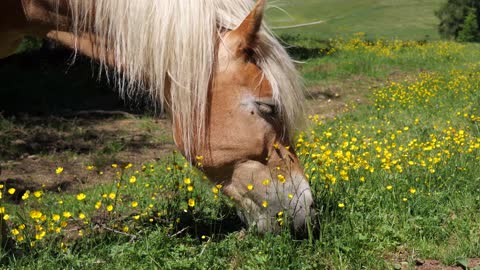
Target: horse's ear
(248, 30)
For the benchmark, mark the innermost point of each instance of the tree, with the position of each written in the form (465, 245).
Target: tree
(453, 15)
(470, 31)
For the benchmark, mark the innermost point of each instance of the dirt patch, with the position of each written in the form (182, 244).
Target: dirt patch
(84, 147)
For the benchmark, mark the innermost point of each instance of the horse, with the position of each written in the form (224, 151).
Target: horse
(229, 87)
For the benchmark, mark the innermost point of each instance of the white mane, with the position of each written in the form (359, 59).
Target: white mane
(167, 48)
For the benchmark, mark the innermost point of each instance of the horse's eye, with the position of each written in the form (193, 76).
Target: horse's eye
(266, 107)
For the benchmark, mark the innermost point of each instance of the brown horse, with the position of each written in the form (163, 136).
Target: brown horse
(231, 89)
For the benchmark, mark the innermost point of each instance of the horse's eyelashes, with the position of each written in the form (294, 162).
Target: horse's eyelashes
(266, 108)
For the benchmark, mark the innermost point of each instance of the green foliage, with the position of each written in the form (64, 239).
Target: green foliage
(470, 31)
(453, 15)
(30, 43)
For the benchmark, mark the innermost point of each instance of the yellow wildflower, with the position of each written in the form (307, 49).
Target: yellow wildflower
(250, 187)
(265, 204)
(35, 214)
(341, 205)
(266, 182)
(59, 170)
(412, 190)
(134, 204)
(56, 217)
(187, 181)
(11, 191)
(281, 178)
(191, 203)
(40, 235)
(37, 194)
(389, 187)
(133, 179)
(110, 208)
(67, 214)
(81, 197)
(98, 205)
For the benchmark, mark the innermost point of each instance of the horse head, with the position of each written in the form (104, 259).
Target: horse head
(247, 147)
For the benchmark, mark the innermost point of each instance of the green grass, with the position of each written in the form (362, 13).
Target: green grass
(406, 19)
(394, 180)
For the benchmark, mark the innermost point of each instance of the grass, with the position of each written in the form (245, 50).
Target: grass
(394, 180)
(406, 19)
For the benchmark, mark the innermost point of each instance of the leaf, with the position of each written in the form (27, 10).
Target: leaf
(462, 262)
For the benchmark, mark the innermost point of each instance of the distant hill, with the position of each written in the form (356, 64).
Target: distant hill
(403, 19)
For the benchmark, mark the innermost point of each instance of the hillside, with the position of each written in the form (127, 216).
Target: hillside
(402, 19)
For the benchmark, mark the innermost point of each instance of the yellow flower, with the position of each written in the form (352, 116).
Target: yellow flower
(281, 178)
(15, 232)
(133, 179)
(412, 190)
(266, 182)
(265, 204)
(187, 181)
(134, 204)
(59, 170)
(21, 227)
(11, 191)
(128, 166)
(341, 205)
(81, 197)
(191, 203)
(112, 195)
(35, 214)
(190, 188)
(26, 195)
(20, 238)
(389, 187)
(215, 190)
(90, 167)
(405, 199)
(81, 216)
(250, 187)
(2, 210)
(125, 229)
(136, 217)
(114, 165)
(98, 205)
(56, 217)
(67, 214)
(6, 217)
(290, 196)
(40, 235)
(37, 194)
(110, 208)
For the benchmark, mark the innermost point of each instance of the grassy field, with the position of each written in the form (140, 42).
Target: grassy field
(394, 173)
(403, 19)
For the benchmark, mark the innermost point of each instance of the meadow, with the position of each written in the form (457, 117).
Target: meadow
(406, 19)
(394, 172)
